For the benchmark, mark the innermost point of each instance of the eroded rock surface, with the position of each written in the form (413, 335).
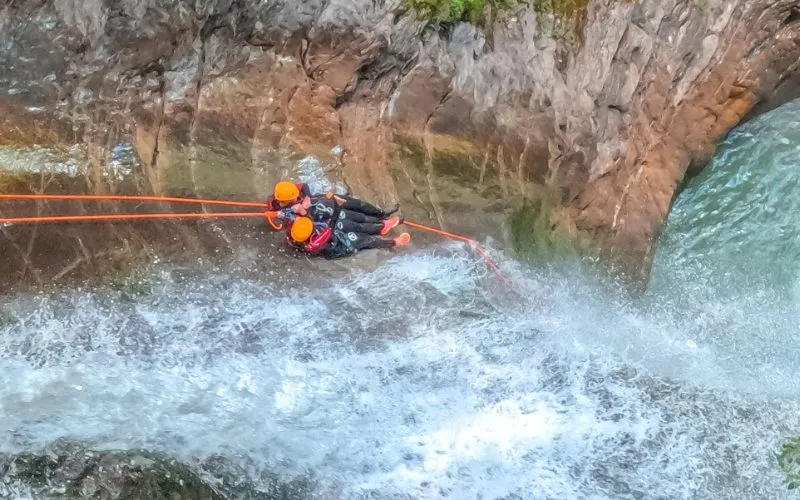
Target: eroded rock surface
(608, 126)
(70, 470)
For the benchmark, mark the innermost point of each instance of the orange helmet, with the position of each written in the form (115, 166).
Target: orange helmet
(302, 228)
(286, 191)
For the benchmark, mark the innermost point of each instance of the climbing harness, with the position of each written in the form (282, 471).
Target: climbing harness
(268, 214)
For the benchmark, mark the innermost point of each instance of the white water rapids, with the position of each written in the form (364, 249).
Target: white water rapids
(410, 379)
(419, 379)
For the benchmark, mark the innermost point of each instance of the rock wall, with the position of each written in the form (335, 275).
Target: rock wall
(73, 470)
(606, 127)
(70, 470)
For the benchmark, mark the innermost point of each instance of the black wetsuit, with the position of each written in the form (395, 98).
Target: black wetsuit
(345, 244)
(362, 207)
(353, 231)
(324, 209)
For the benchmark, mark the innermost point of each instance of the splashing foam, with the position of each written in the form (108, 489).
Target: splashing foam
(410, 379)
(418, 379)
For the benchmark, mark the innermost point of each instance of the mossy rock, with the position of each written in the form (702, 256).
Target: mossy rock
(72, 470)
(69, 470)
(563, 19)
(536, 234)
(478, 12)
(789, 461)
(132, 286)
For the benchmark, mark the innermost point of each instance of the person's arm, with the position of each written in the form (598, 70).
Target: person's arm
(272, 204)
(302, 207)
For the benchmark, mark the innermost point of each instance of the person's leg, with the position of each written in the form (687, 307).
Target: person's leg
(349, 226)
(337, 252)
(368, 223)
(360, 241)
(362, 206)
(358, 217)
(366, 242)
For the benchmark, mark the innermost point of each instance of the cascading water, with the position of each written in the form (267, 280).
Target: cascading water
(423, 379)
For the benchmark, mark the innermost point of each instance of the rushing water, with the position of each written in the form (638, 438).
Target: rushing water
(423, 378)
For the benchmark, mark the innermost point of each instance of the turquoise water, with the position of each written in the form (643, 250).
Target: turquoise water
(727, 267)
(737, 225)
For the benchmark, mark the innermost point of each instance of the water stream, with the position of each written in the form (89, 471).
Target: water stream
(422, 378)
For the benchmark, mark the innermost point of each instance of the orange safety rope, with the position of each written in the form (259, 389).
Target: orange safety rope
(267, 214)
(270, 216)
(172, 199)
(474, 244)
(440, 232)
(106, 217)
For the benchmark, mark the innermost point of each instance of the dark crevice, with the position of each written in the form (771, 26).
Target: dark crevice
(162, 93)
(755, 49)
(206, 30)
(345, 97)
(397, 16)
(435, 109)
(445, 30)
(384, 65)
(788, 90)
(304, 55)
(794, 16)
(151, 67)
(616, 107)
(686, 61)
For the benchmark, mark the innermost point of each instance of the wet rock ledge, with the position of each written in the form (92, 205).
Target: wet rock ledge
(603, 124)
(71, 470)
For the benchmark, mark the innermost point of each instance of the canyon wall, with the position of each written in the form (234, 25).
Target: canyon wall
(603, 124)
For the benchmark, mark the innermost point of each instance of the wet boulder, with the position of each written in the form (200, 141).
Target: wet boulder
(70, 470)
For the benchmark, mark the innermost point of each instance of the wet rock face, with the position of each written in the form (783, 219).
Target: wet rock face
(70, 470)
(73, 470)
(608, 126)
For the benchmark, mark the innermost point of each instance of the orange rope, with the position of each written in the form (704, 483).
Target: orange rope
(65, 197)
(474, 244)
(268, 215)
(440, 232)
(101, 217)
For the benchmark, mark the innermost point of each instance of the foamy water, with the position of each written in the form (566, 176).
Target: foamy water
(424, 378)
(413, 379)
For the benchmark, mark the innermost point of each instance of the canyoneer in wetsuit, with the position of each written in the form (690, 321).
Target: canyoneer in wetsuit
(297, 199)
(334, 238)
(286, 194)
(326, 210)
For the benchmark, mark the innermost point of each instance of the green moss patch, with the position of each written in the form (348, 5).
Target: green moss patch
(479, 12)
(534, 232)
(789, 461)
(560, 18)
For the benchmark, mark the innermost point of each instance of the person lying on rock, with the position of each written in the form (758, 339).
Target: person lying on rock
(332, 242)
(298, 198)
(326, 210)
